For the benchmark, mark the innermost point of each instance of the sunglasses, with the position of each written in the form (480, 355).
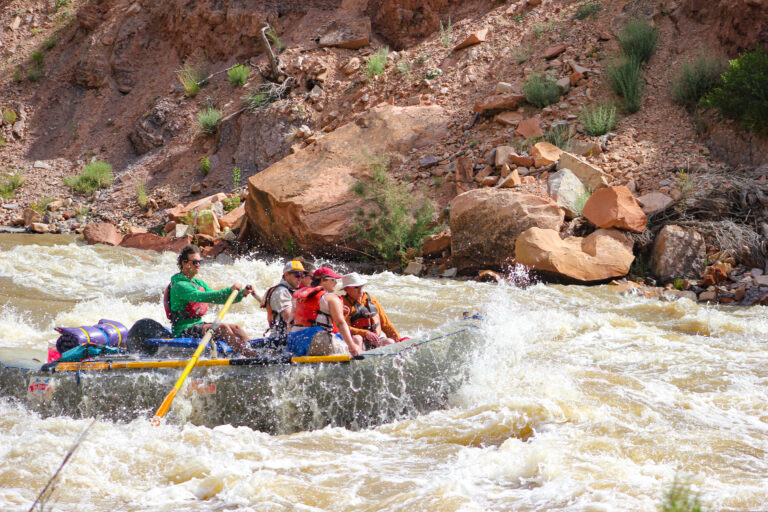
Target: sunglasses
(195, 262)
(332, 278)
(299, 274)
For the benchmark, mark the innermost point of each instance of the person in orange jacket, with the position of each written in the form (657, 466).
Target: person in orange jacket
(366, 317)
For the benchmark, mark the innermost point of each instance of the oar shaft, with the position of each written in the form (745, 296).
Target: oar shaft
(163, 409)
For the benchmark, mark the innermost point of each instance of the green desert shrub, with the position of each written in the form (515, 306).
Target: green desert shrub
(639, 39)
(696, 79)
(627, 82)
(743, 94)
(238, 75)
(192, 78)
(395, 219)
(541, 90)
(561, 135)
(95, 175)
(9, 184)
(9, 116)
(598, 119)
(41, 205)
(376, 63)
(231, 203)
(205, 165)
(586, 10)
(208, 120)
(141, 194)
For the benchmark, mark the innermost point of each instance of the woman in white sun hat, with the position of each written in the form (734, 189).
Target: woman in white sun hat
(366, 317)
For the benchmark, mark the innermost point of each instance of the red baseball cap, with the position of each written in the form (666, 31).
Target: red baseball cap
(325, 272)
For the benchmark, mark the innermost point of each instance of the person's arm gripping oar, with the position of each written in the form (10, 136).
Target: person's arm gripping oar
(163, 409)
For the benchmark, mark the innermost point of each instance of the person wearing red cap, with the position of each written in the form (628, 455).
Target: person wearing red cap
(317, 308)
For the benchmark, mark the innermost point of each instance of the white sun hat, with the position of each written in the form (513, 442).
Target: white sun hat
(352, 279)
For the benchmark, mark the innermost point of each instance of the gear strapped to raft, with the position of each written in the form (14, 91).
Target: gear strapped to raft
(107, 333)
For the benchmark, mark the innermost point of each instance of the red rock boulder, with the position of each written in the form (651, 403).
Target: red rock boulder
(102, 233)
(615, 207)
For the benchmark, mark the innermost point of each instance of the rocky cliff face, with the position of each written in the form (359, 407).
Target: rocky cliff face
(739, 24)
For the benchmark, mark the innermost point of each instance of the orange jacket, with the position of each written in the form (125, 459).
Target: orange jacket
(386, 326)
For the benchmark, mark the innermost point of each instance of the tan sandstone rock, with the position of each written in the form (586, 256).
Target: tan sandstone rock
(305, 198)
(544, 153)
(604, 254)
(476, 37)
(486, 222)
(233, 219)
(498, 102)
(592, 177)
(614, 207)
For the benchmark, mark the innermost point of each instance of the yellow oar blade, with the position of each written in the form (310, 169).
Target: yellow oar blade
(163, 409)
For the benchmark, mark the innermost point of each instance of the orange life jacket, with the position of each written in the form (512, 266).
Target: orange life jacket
(362, 316)
(192, 309)
(307, 309)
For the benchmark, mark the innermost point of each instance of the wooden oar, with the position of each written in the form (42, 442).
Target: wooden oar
(163, 409)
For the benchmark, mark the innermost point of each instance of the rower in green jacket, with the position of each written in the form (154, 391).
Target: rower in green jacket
(186, 301)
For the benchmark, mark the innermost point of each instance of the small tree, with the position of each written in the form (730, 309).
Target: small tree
(743, 94)
(393, 222)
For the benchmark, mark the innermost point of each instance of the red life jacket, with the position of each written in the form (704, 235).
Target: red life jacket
(308, 309)
(192, 309)
(361, 316)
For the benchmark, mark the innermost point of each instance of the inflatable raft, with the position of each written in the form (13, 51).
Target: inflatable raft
(276, 393)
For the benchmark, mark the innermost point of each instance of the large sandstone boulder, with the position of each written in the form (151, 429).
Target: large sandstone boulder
(678, 252)
(615, 207)
(486, 222)
(305, 199)
(604, 254)
(102, 233)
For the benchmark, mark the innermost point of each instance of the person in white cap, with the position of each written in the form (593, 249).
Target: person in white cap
(366, 317)
(278, 300)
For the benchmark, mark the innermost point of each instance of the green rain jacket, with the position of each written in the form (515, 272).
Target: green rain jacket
(185, 290)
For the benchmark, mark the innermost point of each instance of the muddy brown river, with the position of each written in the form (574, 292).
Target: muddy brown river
(574, 399)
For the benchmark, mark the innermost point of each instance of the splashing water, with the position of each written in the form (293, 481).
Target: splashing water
(576, 399)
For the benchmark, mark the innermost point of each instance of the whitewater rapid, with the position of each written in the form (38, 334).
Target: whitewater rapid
(576, 399)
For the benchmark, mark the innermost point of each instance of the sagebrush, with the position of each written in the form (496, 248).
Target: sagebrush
(639, 39)
(697, 78)
(586, 10)
(95, 175)
(208, 120)
(627, 82)
(394, 219)
(9, 184)
(598, 119)
(561, 135)
(541, 90)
